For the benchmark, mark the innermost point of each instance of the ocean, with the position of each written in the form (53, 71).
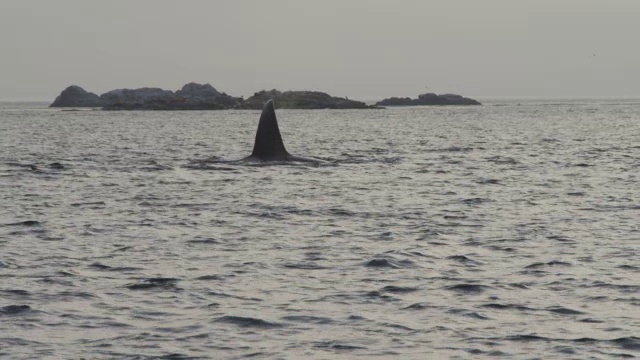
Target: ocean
(505, 230)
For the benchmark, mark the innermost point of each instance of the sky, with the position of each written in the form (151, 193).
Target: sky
(362, 49)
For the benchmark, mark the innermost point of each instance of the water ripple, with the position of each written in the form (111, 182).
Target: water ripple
(435, 232)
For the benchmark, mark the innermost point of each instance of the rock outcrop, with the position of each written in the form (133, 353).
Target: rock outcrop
(429, 99)
(194, 96)
(136, 99)
(300, 100)
(205, 97)
(191, 97)
(75, 96)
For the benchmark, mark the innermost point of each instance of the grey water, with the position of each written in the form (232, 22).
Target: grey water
(507, 230)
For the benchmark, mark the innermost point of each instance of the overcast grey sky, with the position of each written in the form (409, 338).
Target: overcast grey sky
(363, 49)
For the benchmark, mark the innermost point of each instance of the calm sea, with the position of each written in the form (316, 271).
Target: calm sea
(508, 230)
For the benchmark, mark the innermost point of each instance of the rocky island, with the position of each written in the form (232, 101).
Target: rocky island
(191, 97)
(194, 96)
(300, 100)
(75, 96)
(429, 99)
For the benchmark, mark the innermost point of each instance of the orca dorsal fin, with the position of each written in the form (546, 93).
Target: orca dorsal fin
(268, 145)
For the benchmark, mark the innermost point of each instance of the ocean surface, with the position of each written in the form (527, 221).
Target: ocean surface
(510, 230)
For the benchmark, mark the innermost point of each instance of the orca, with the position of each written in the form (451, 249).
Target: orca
(268, 146)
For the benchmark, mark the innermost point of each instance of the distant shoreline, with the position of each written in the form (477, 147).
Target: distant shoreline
(486, 100)
(193, 96)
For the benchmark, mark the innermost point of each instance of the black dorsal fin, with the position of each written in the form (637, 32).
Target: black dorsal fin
(269, 145)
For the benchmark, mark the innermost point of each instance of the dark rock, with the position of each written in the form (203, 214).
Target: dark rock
(429, 99)
(396, 101)
(198, 91)
(137, 99)
(204, 97)
(142, 94)
(194, 96)
(300, 100)
(191, 97)
(75, 96)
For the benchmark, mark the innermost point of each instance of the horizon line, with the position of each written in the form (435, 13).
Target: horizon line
(485, 97)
